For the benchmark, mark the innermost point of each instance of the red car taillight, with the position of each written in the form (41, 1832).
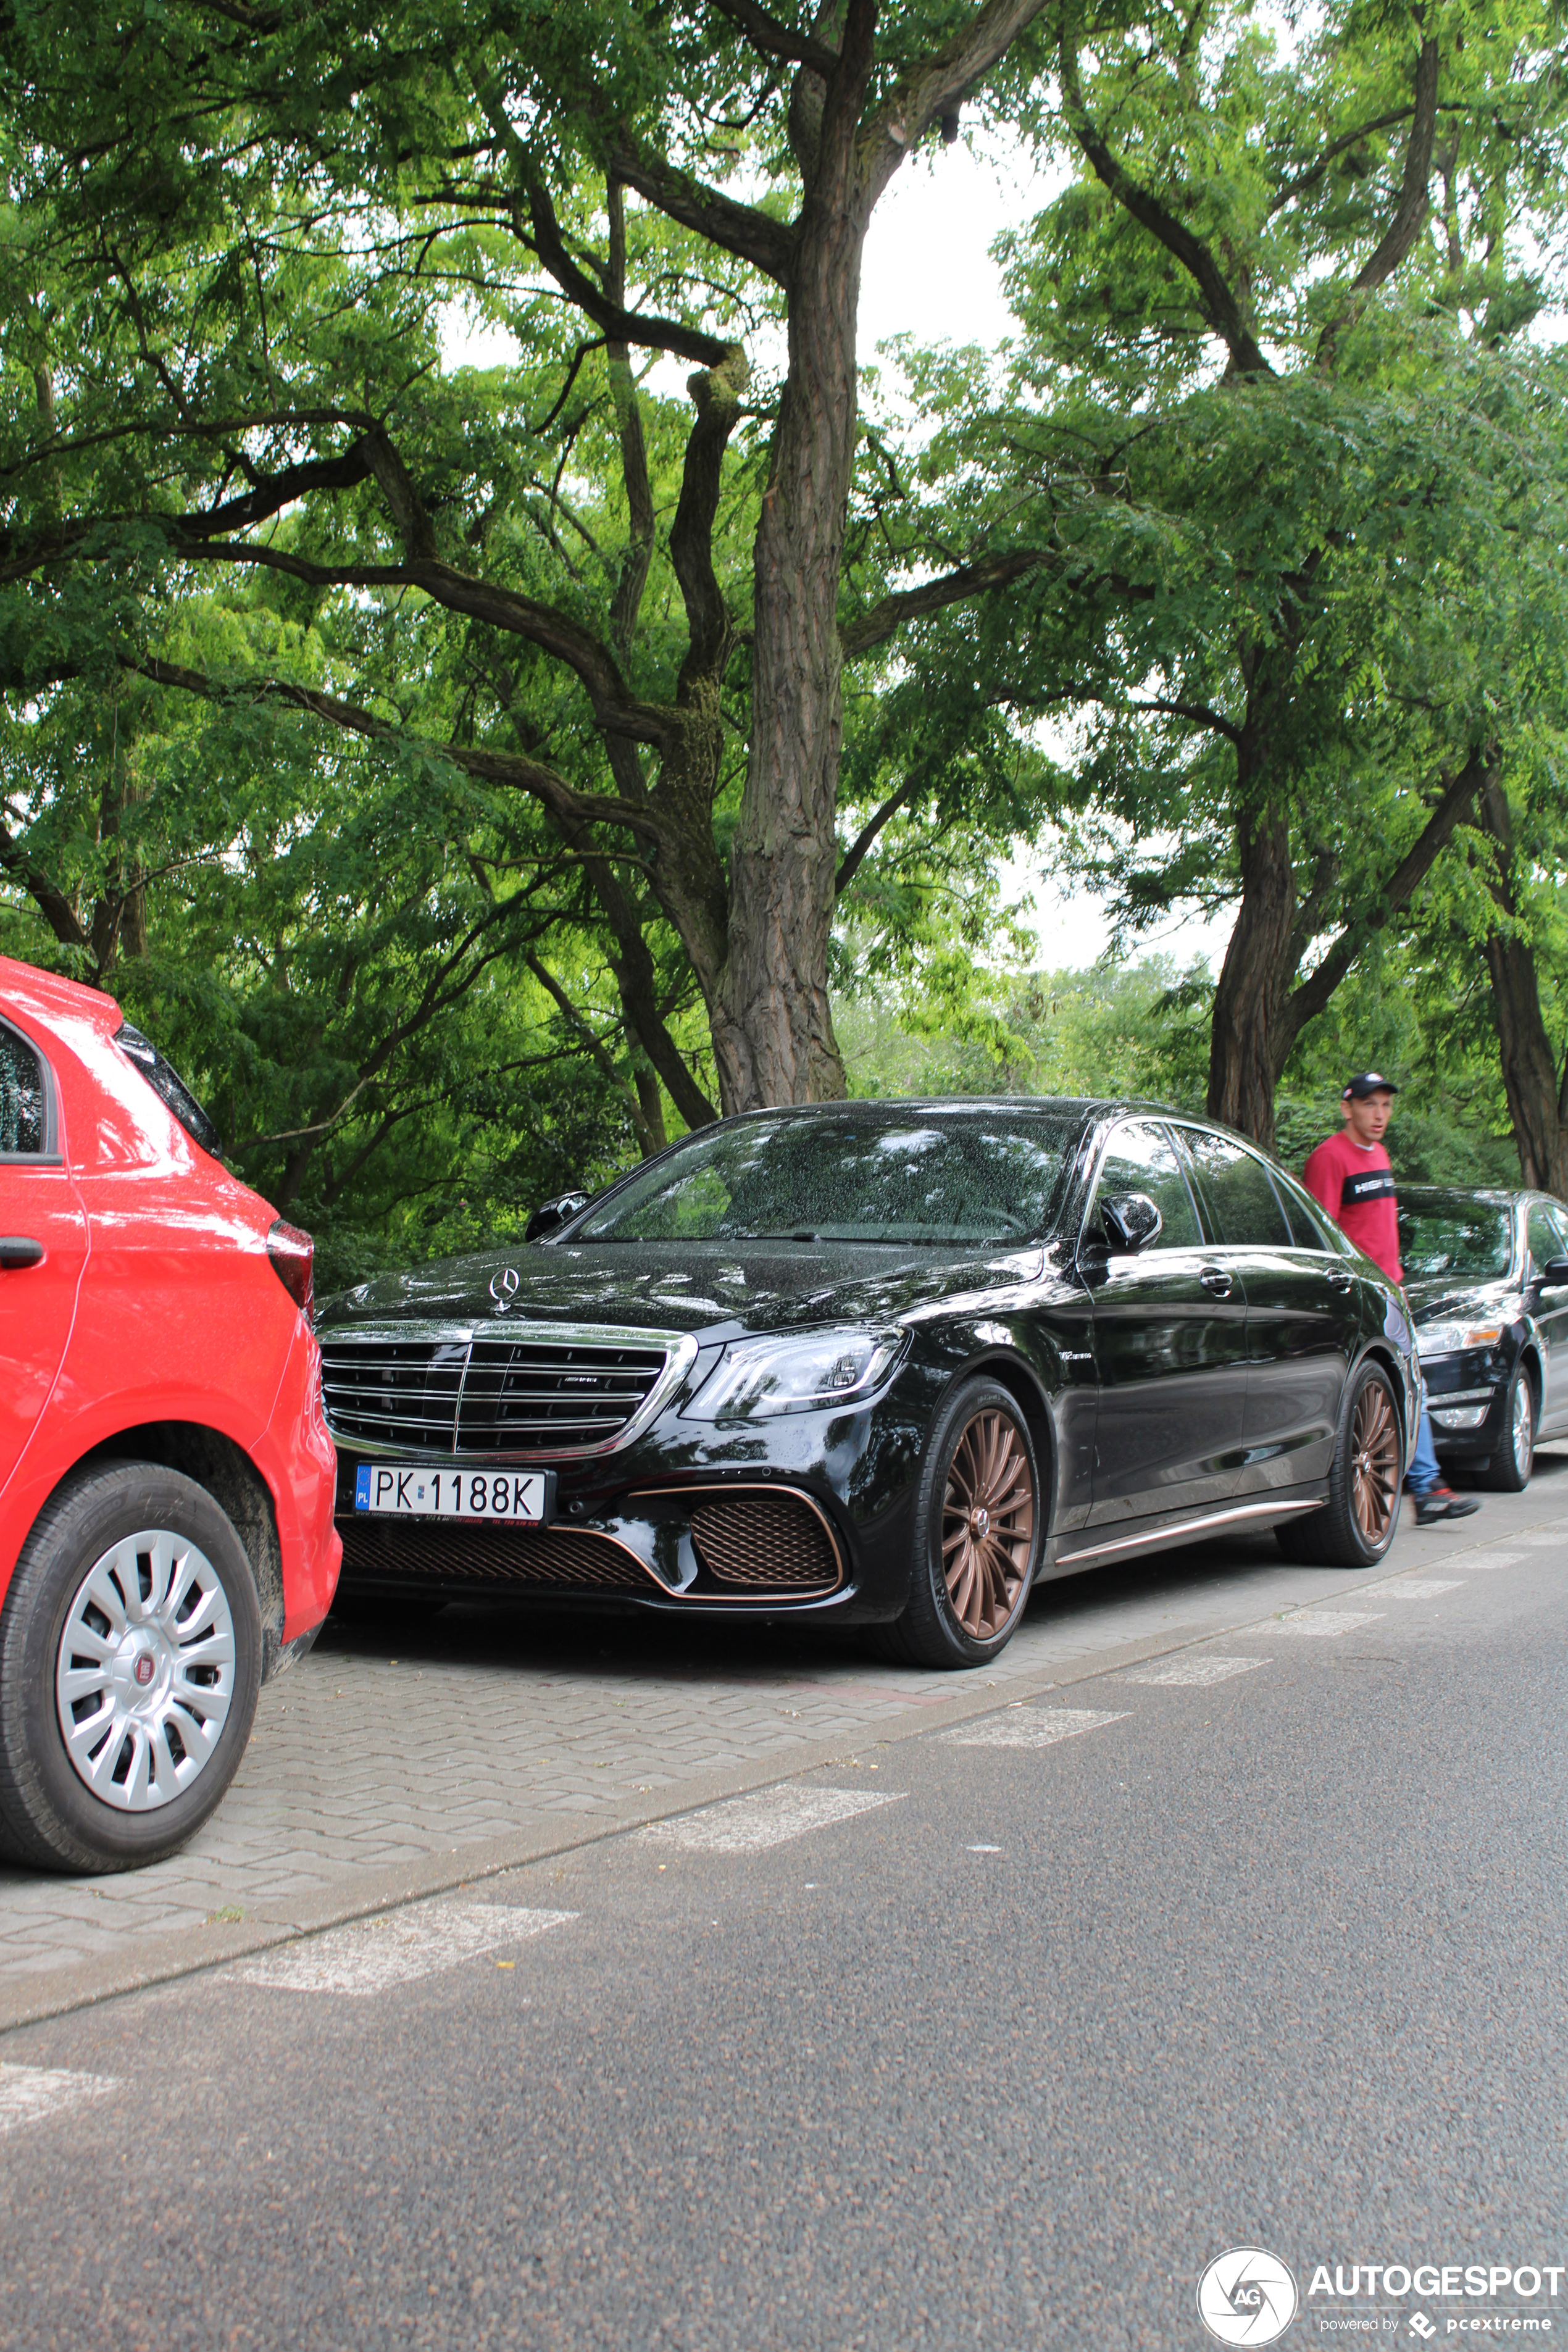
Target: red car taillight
(293, 1255)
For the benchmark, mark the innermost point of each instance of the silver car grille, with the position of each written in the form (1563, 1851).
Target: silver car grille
(538, 1389)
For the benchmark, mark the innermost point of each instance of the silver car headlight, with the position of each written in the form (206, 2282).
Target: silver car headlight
(796, 1375)
(1453, 1339)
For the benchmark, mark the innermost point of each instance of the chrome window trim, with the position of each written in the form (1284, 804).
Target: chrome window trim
(680, 1354)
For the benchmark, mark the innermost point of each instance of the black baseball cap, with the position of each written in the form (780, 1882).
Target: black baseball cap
(1368, 1082)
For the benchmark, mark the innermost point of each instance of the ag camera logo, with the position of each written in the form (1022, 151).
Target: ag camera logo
(1247, 2296)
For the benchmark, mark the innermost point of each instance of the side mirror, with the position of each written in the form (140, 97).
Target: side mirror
(552, 1214)
(1554, 1272)
(1130, 1220)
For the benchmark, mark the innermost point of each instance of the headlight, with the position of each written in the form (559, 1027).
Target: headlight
(820, 1368)
(1451, 1338)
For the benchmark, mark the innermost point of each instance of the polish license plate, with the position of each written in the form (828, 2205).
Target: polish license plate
(520, 1498)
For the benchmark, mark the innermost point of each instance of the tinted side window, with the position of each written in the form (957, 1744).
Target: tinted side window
(1142, 1160)
(23, 1106)
(1311, 1226)
(1543, 1236)
(1246, 1206)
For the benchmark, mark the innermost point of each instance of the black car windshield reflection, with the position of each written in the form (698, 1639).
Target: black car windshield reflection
(907, 1176)
(1473, 1242)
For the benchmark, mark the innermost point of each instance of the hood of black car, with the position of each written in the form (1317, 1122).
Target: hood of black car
(709, 1286)
(1438, 1298)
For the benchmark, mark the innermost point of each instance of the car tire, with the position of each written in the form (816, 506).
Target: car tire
(74, 1641)
(1360, 1517)
(1507, 1472)
(979, 1525)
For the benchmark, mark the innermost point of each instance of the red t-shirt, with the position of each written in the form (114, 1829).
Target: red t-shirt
(1355, 1184)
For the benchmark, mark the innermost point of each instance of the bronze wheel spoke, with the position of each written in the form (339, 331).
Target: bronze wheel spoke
(1375, 1479)
(987, 1525)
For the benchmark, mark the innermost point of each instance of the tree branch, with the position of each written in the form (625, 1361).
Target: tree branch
(1410, 210)
(619, 323)
(751, 236)
(615, 708)
(52, 904)
(854, 856)
(772, 39)
(875, 625)
(1216, 299)
(934, 88)
(511, 769)
(1314, 171)
(581, 1028)
(1307, 1000)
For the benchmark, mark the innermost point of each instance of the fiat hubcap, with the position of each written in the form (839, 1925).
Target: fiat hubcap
(145, 1673)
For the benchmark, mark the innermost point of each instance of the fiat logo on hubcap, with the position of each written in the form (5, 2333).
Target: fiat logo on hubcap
(144, 1669)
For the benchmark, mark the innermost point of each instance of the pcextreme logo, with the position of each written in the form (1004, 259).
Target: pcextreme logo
(1247, 2296)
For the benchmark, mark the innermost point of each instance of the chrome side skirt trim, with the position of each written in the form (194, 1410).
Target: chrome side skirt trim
(1188, 1528)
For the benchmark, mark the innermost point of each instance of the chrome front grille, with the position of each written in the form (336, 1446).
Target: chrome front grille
(536, 1389)
(534, 1396)
(402, 1394)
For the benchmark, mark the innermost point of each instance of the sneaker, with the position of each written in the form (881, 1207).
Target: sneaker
(1442, 1503)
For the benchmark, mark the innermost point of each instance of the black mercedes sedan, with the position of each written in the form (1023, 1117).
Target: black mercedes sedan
(1486, 1277)
(887, 1364)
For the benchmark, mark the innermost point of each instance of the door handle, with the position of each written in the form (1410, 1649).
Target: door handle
(1216, 1280)
(1338, 1279)
(17, 1251)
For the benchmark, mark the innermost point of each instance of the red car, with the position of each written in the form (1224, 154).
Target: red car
(166, 1479)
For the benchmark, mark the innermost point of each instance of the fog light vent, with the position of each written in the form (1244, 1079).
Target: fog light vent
(765, 1543)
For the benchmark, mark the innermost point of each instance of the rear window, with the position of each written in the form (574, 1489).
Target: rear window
(170, 1088)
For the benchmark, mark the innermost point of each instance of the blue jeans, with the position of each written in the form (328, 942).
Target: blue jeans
(1424, 1473)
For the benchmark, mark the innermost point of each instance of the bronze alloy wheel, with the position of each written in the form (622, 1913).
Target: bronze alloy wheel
(987, 1525)
(1374, 1459)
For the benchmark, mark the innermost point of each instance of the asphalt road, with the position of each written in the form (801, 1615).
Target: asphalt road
(954, 2043)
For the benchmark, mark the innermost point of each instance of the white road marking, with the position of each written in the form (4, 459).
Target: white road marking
(30, 2094)
(1210, 1669)
(1544, 1538)
(1416, 1588)
(1325, 1623)
(1487, 1559)
(1032, 1726)
(374, 1955)
(769, 1817)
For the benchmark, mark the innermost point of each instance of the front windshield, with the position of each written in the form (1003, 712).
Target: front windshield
(898, 1173)
(1473, 1242)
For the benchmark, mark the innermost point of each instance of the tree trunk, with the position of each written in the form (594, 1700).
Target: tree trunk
(1537, 1094)
(1259, 965)
(772, 1026)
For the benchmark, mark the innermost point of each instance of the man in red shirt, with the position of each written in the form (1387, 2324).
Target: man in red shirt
(1350, 1176)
